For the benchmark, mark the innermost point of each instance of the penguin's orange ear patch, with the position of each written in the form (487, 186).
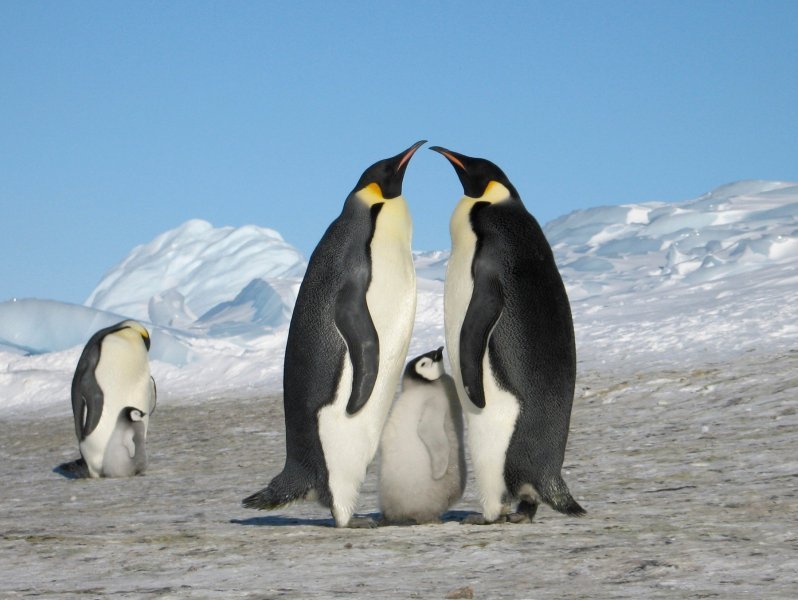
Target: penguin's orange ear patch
(375, 188)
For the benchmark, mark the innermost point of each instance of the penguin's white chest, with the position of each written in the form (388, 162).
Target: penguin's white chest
(391, 297)
(350, 441)
(489, 429)
(459, 285)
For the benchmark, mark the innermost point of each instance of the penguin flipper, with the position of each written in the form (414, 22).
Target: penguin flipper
(355, 325)
(483, 312)
(432, 433)
(87, 397)
(87, 406)
(153, 395)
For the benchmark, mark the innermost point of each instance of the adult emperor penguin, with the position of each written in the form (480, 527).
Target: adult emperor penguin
(346, 347)
(113, 396)
(422, 458)
(510, 340)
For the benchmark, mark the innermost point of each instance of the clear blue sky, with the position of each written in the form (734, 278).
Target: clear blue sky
(119, 121)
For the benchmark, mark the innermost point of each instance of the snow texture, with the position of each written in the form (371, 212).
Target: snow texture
(682, 444)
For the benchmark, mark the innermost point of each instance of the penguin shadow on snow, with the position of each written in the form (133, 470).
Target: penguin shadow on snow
(284, 521)
(452, 516)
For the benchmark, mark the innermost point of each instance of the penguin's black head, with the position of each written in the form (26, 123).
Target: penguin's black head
(97, 338)
(146, 337)
(141, 330)
(427, 367)
(476, 173)
(388, 174)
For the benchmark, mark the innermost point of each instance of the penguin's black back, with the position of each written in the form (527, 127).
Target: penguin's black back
(531, 349)
(315, 350)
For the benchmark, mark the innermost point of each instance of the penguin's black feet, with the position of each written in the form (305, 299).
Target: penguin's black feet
(77, 469)
(405, 522)
(362, 523)
(524, 513)
(479, 519)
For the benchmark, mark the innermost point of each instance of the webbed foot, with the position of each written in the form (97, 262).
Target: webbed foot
(524, 513)
(77, 469)
(362, 523)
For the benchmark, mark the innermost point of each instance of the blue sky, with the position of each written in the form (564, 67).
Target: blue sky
(119, 121)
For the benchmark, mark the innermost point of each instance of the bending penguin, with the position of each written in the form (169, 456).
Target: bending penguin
(346, 347)
(510, 339)
(422, 467)
(113, 396)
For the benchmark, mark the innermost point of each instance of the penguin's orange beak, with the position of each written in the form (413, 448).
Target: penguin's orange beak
(451, 157)
(408, 154)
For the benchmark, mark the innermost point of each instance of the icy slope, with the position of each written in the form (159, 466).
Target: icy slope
(186, 272)
(685, 281)
(735, 229)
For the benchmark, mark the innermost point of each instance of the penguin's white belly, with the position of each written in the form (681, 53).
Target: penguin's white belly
(489, 433)
(457, 294)
(350, 442)
(490, 428)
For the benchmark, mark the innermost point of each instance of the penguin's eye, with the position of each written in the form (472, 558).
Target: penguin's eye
(423, 364)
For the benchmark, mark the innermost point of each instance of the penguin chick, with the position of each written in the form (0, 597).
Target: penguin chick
(126, 453)
(422, 470)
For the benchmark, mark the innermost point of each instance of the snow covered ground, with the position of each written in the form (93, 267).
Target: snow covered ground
(683, 444)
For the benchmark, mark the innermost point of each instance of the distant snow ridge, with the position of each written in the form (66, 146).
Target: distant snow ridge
(729, 231)
(196, 269)
(654, 282)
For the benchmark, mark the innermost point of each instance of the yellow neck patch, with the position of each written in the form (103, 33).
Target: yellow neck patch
(138, 328)
(494, 192)
(371, 194)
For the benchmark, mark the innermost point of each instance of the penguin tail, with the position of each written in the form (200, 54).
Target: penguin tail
(282, 490)
(76, 469)
(557, 495)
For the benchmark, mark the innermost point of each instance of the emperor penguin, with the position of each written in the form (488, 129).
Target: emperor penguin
(422, 458)
(510, 340)
(126, 453)
(113, 396)
(346, 346)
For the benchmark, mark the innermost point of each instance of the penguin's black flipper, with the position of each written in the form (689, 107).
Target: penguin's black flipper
(484, 310)
(357, 328)
(87, 397)
(76, 469)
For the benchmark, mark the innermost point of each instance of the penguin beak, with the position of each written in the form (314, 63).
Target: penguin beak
(391, 185)
(474, 173)
(405, 156)
(453, 157)
(388, 174)
(146, 339)
(439, 354)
